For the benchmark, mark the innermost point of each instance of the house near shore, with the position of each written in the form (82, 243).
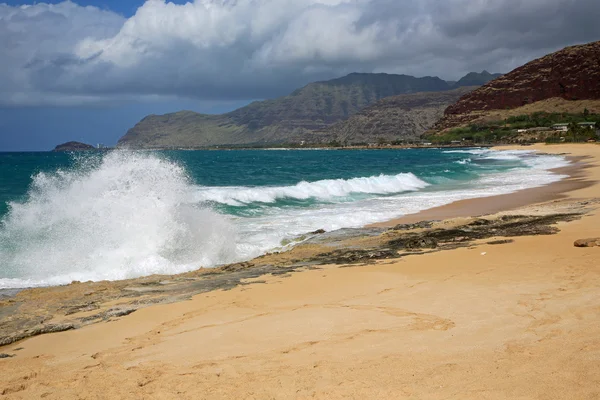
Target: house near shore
(565, 127)
(561, 127)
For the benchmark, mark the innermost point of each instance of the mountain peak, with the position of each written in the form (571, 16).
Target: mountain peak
(476, 78)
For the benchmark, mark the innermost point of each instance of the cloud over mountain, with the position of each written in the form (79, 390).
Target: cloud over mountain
(66, 54)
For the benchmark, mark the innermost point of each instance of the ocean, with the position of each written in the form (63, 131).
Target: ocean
(119, 214)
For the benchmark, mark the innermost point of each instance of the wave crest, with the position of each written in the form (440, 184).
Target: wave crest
(324, 190)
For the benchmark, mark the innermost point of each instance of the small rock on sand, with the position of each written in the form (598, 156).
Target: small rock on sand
(595, 242)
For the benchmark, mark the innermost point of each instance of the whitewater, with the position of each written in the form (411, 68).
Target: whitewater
(120, 215)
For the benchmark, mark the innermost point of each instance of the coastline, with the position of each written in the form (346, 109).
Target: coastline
(461, 208)
(494, 204)
(479, 320)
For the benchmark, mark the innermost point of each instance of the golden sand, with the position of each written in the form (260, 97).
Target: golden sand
(515, 321)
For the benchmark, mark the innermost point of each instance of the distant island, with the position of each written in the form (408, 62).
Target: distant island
(74, 146)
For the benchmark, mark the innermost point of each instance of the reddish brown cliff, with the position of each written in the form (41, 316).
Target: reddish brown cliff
(572, 74)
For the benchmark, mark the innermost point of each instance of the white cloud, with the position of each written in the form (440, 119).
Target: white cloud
(244, 49)
(35, 36)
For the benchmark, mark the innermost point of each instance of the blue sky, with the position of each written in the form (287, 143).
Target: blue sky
(123, 7)
(88, 70)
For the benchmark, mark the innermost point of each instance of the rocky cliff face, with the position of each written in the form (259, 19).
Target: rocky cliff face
(572, 74)
(395, 118)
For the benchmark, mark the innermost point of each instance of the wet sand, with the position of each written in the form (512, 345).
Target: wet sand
(512, 321)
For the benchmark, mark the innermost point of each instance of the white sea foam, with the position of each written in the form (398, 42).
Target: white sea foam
(323, 190)
(265, 232)
(508, 155)
(132, 214)
(120, 216)
(463, 161)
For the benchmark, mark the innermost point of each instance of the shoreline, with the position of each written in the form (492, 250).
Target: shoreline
(357, 147)
(458, 209)
(478, 206)
(500, 306)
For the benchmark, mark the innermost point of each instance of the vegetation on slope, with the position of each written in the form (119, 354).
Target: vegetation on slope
(572, 74)
(507, 130)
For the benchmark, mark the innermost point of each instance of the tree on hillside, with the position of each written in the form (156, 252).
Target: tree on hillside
(574, 130)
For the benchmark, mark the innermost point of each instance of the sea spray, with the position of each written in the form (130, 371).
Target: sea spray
(112, 216)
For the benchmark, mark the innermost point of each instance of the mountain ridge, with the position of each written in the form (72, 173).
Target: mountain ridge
(287, 119)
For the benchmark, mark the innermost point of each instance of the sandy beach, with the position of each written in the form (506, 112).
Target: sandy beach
(517, 320)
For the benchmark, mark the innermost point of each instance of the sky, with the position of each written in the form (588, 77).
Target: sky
(88, 70)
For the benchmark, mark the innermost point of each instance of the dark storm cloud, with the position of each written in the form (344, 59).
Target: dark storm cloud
(248, 49)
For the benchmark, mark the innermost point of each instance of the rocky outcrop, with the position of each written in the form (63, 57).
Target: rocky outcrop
(595, 242)
(74, 146)
(395, 118)
(572, 74)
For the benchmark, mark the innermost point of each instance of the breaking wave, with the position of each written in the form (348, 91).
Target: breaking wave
(115, 216)
(323, 190)
(487, 154)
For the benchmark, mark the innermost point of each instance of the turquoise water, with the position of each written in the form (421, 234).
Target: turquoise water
(117, 215)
